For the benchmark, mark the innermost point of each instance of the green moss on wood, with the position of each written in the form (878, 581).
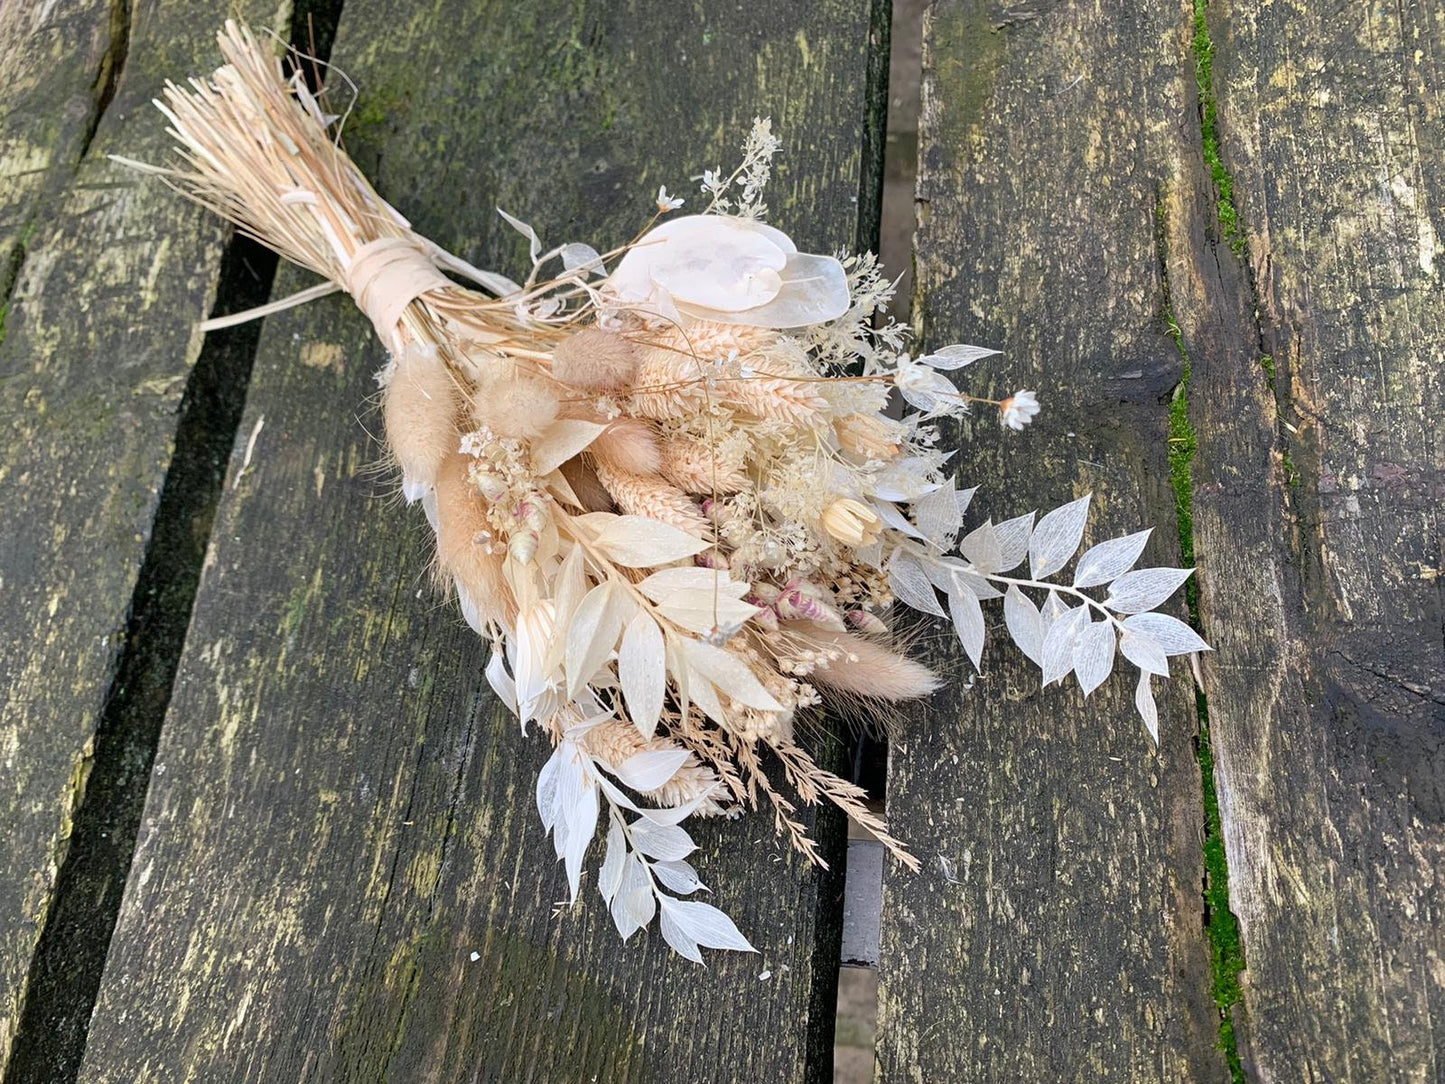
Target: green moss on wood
(1223, 181)
(1225, 948)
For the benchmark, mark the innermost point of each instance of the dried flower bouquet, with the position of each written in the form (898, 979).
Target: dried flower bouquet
(671, 495)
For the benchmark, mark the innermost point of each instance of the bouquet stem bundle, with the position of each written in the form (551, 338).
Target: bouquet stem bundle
(670, 495)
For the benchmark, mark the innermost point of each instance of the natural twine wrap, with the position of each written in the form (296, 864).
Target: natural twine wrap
(387, 275)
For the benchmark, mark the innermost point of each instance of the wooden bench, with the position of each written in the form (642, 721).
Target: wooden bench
(260, 818)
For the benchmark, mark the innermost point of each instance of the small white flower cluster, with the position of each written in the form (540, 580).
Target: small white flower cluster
(751, 176)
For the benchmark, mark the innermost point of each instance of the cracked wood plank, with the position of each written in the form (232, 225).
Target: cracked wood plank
(1318, 488)
(1055, 931)
(341, 874)
(98, 338)
(56, 61)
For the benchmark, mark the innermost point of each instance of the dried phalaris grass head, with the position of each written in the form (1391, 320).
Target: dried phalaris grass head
(419, 408)
(671, 496)
(513, 404)
(595, 360)
(629, 445)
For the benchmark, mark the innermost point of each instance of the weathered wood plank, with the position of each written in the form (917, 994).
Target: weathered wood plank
(340, 816)
(1317, 399)
(98, 339)
(1055, 931)
(57, 65)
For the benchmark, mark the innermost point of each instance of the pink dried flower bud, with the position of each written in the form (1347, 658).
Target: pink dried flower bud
(802, 601)
(523, 546)
(866, 623)
(766, 619)
(714, 559)
(852, 522)
(491, 486)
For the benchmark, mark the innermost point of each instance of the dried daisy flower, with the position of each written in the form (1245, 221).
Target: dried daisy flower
(670, 497)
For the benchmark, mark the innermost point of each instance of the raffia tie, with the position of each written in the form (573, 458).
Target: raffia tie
(386, 276)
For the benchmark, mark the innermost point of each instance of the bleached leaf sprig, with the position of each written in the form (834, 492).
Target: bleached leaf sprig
(669, 487)
(1072, 632)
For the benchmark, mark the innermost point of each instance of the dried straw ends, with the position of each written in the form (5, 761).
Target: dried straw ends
(419, 408)
(464, 554)
(595, 359)
(512, 405)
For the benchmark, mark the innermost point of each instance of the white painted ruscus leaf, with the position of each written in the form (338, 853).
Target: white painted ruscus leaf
(642, 671)
(1148, 711)
(1056, 538)
(1110, 559)
(1171, 634)
(1021, 617)
(1136, 592)
(967, 617)
(1094, 655)
(706, 925)
(639, 542)
(651, 769)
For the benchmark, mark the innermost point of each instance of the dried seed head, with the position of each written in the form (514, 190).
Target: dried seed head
(694, 466)
(866, 623)
(648, 495)
(514, 406)
(419, 409)
(463, 552)
(628, 445)
(863, 668)
(596, 360)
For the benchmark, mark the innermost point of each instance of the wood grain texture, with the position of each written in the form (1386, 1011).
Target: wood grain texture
(99, 337)
(1056, 929)
(340, 816)
(57, 65)
(1318, 489)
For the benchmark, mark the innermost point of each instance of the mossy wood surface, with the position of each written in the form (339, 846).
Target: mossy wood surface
(1264, 183)
(1056, 930)
(341, 874)
(101, 284)
(1317, 400)
(57, 64)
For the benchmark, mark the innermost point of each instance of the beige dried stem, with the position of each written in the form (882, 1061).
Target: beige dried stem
(256, 150)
